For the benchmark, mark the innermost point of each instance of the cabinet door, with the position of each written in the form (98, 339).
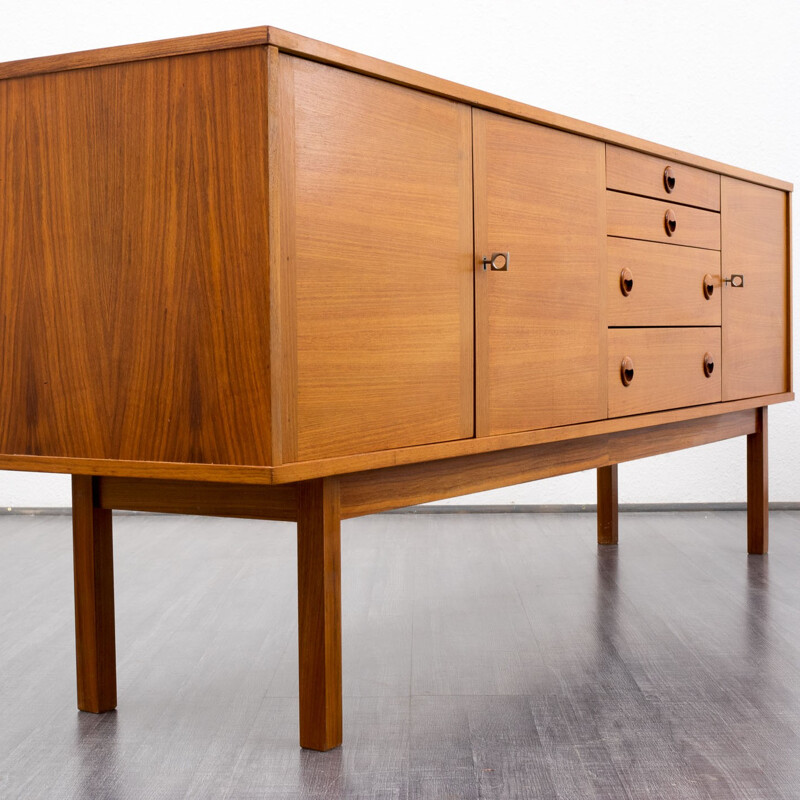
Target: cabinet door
(755, 344)
(540, 327)
(376, 264)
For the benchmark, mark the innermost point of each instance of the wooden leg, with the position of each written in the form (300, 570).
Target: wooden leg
(607, 505)
(94, 599)
(757, 487)
(319, 614)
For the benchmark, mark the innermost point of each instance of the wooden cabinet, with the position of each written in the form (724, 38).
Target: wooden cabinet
(311, 283)
(539, 324)
(655, 368)
(251, 274)
(633, 217)
(376, 264)
(650, 284)
(637, 173)
(755, 315)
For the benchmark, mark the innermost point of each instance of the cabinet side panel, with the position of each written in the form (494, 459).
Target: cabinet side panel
(380, 262)
(134, 256)
(755, 317)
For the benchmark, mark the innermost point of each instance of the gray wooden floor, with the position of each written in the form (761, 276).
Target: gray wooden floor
(497, 656)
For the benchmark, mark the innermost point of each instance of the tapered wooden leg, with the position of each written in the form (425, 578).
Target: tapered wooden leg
(757, 487)
(607, 505)
(319, 614)
(94, 599)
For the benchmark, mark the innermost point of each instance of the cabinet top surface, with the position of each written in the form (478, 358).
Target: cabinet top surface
(319, 51)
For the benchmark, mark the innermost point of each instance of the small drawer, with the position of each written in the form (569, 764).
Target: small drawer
(651, 369)
(636, 173)
(641, 218)
(652, 284)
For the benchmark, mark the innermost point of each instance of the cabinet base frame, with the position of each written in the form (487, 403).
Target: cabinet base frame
(320, 504)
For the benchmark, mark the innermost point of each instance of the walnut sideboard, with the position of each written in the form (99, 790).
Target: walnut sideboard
(248, 274)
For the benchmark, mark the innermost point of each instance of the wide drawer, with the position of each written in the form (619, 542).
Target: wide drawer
(637, 173)
(650, 369)
(652, 284)
(641, 218)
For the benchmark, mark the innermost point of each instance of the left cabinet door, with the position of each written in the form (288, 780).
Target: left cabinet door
(540, 326)
(375, 328)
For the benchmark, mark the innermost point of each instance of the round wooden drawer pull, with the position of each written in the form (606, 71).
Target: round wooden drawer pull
(669, 179)
(670, 222)
(626, 370)
(708, 286)
(708, 364)
(626, 281)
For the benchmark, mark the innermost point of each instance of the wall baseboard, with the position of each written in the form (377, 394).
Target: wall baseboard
(492, 509)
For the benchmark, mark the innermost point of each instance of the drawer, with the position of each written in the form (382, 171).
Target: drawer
(653, 284)
(641, 218)
(666, 369)
(636, 173)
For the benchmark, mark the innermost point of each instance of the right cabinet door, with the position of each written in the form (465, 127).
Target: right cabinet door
(755, 346)
(540, 333)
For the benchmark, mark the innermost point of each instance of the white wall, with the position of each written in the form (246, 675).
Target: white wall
(719, 79)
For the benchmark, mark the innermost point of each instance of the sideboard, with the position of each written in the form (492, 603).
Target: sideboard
(249, 274)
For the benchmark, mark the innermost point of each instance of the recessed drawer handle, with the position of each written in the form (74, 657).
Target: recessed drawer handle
(669, 179)
(626, 281)
(708, 364)
(670, 222)
(708, 286)
(626, 370)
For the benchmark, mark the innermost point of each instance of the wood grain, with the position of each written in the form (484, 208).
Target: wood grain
(319, 614)
(205, 412)
(755, 327)
(637, 173)
(93, 562)
(527, 651)
(330, 54)
(198, 497)
(633, 217)
(758, 487)
(668, 368)
(629, 445)
(126, 53)
(528, 645)
(607, 505)
(380, 258)
(540, 326)
(133, 234)
(409, 455)
(289, 473)
(667, 284)
(282, 257)
(325, 53)
(395, 487)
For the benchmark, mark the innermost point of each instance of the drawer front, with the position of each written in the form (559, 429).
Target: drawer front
(666, 369)
(641, 218)
(636, 173)
(652, 284)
